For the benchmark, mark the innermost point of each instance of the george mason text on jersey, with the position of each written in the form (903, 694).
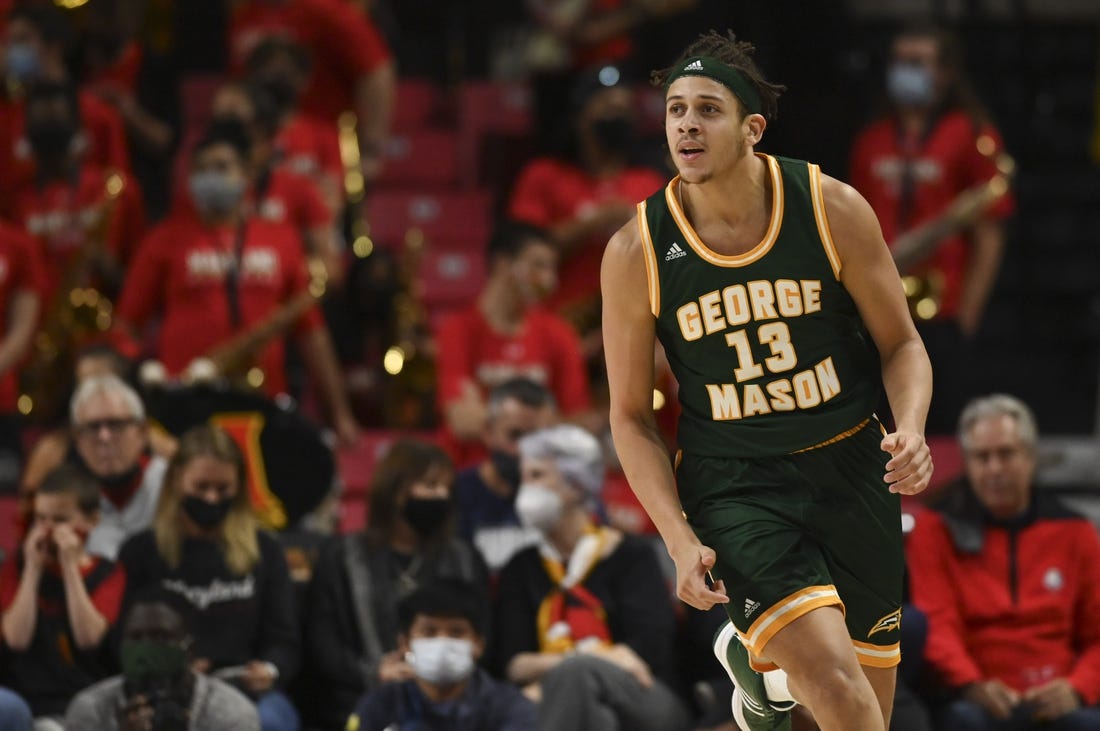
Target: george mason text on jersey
(752, 311)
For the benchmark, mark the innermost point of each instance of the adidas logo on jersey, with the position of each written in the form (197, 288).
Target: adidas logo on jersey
(750, 607)
(674, 252)
(694, 66)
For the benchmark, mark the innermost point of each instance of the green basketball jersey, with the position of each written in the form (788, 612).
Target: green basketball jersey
(768, 347)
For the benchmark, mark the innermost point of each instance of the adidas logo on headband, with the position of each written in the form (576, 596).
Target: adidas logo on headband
(694, 66)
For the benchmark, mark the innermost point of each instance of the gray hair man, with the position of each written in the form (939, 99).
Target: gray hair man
(111, 438)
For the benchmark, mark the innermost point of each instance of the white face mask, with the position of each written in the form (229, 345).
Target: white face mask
(441, 660)
(538, 507)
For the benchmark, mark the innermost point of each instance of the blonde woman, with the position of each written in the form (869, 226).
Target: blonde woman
(205, 545)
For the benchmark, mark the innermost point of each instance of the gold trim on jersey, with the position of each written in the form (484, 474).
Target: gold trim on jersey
(787, 610)
(651, 275)
(673, 199)
(877, 656)
(835, 439)
(822, 218)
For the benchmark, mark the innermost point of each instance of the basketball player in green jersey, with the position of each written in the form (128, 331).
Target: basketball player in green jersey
(781, 312)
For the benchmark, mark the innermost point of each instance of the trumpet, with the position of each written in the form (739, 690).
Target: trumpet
(924, 290)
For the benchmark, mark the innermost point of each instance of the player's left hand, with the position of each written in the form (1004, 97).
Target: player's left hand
(910, 465)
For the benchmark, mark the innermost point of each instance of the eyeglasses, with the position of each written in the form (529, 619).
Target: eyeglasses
(93, 428)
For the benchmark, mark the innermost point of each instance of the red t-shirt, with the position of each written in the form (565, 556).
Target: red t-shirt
(944, 165)
(551, 192)
(310, 147)
(21, 270)
(106, 598)
(294, 199)
(546, 350)
(62, 217)
(103, 138)
(342, 41)
(180, 272)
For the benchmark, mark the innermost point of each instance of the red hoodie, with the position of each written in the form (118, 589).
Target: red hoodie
(1018, 601)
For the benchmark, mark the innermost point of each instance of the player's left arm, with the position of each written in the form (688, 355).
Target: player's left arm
(871, 278)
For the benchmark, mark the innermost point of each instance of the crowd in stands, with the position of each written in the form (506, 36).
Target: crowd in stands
(295, 225)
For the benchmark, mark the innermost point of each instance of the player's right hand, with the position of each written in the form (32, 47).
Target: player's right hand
(692, 564)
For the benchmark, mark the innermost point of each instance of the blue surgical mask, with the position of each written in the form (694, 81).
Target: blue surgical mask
(910, 85)
(215, 193)
(22, 62)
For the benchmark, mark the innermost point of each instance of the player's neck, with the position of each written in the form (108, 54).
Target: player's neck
(734, 198)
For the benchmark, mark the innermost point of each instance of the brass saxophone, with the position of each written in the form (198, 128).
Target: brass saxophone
(924, 291)
(233, 360)
(77, 312)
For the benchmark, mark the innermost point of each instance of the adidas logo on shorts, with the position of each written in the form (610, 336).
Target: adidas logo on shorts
(694, 66)
(750, 607)
(674, 252)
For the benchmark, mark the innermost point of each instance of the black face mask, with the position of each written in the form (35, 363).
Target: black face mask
(426, 515)
(204, 514)
(615, 134)
(51, 139)
(506, 466)
(281, 91)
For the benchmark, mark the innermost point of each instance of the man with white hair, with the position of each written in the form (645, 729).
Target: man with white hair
(585, 620)
(1010, 581)
(111, 441)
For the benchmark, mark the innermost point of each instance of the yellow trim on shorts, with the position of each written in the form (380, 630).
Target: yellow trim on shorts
(837, 438)
(877, 656)
(785, 611)
(653, 279)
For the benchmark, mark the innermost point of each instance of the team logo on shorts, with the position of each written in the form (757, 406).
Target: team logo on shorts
(890, 622)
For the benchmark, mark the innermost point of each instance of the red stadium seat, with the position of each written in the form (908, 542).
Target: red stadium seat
(422, 158)
(450, 277)
(491, 110)
(9, 523)
(417, 105)
(449, 215)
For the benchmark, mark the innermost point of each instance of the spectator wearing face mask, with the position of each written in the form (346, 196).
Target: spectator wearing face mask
(351, 64)
(158, 690)
(58, 599)
(409, 542)
(279, 194)
(303, 144)
(485, 493)
(206, 547)
(936, 141)
(588, 193)
(37, 39)
(584, 619)
(443, 639)
(219, 272)
(86, 218)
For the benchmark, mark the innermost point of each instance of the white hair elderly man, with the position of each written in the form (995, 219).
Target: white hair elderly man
(1010, 580)
(111, 440)
(585, 619)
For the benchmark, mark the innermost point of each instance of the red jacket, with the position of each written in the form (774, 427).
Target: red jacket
(1019, 601)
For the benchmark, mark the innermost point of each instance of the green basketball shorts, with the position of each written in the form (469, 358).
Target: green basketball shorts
(800, 531)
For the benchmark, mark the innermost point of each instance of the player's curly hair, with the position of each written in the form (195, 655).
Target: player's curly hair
(738, 54)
